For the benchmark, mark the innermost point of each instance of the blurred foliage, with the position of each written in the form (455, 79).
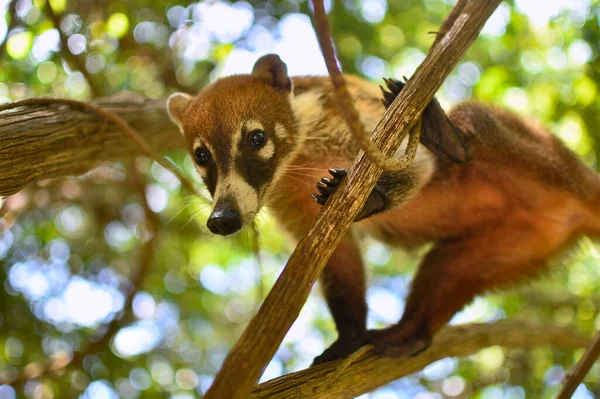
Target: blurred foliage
(69, 248)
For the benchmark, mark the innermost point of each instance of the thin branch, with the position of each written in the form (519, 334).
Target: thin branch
(345, 103)
(368, 370)
(259, 342)
(73, 59)
(581, 369)
(12, 14)
(116, 119)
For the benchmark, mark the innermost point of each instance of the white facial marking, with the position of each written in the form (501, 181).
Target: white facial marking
(244, 196)
(201, 170)
(280, 131)
(253, 125)
(267, 151)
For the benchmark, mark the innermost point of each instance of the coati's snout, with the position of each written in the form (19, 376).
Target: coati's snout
(224, 219)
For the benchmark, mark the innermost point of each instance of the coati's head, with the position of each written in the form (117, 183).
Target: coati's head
(240, 131)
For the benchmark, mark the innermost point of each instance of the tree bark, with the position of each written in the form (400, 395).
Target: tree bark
(259, 342)
(41, 142)
(369, 371)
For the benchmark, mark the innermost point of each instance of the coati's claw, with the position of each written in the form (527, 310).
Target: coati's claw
(395, 87)
(327, 186)
(319, 199)
(338, 172)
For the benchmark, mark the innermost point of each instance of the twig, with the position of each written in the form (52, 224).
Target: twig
(116, 119)
(257, 345)
(345, 103)
(581, 369)
(95, 88)
(12, 14)
(369, 370)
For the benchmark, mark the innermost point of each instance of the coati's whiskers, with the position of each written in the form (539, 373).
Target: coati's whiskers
(307, 121)
(296, 173)
(183, 208)
(297, 179)
(192, 218)
(293, 168)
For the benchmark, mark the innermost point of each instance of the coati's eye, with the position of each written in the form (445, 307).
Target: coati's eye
(201, 156)
(257, 138)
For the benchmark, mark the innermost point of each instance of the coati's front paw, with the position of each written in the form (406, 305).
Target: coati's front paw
(401, 340)
(328, 186)
(341, 348)
(395, 87)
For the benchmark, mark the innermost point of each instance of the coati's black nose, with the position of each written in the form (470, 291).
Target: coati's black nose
(224, 220)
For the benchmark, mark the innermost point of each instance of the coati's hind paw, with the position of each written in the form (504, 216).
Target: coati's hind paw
(438, 133)
(341, 348)
(327, 186)
(400, 341)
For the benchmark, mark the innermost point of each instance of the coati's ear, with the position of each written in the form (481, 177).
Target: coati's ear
(274, 71)
(176, 104)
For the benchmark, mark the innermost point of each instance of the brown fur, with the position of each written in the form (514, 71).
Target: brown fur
(522, 200)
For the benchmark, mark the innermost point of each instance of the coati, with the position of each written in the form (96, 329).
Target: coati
(264, 139)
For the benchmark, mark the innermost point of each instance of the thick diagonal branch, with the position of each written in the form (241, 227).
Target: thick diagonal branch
(248, 358)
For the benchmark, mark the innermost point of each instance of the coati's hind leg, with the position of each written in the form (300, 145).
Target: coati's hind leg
(343, 283)
(453, 273)
(438, 134)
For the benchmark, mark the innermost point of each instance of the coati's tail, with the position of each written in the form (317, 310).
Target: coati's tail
(438, 134)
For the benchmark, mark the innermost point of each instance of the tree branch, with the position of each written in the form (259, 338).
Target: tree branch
(41, 141)
(370, 371)
(449, 21)
(581, 369)
(257, 345)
